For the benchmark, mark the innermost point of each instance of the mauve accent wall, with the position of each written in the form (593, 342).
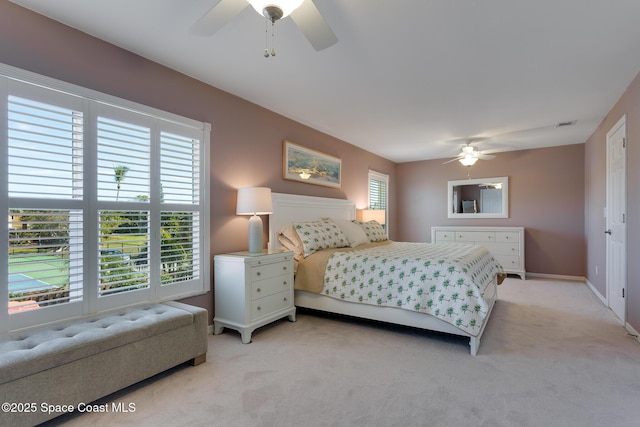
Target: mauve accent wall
(595, 200)
(546, 196)
(246, 140)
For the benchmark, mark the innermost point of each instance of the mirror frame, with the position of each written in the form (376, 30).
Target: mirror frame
(504, 180)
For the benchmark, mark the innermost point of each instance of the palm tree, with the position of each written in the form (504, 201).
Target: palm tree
(118, 175)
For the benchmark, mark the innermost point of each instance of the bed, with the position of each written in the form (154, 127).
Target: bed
(387, 280)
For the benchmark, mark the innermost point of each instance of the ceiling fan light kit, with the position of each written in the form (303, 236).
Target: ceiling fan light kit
(469, 155)
(304, 14)
(468, 160)
(274, 10)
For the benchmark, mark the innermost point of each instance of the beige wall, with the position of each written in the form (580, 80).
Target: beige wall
(546, 196)
(595, 199)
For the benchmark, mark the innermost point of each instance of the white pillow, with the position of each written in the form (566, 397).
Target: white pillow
(373, 229)
(321, 234)
(289, 239)
(354, 232)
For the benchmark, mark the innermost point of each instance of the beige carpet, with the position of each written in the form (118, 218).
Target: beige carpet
(552, 355)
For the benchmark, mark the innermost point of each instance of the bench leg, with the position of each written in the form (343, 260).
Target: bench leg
(198, 360)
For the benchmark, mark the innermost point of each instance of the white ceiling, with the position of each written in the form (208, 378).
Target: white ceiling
(407, 76)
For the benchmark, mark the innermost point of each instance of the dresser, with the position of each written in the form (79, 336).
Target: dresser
(506, 244)
(252, 290)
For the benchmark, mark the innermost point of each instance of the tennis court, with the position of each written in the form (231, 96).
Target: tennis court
(20, 283)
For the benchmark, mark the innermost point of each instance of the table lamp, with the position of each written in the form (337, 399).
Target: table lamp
(254, 201)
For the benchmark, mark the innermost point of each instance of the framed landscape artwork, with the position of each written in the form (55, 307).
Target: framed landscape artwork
(310, 166)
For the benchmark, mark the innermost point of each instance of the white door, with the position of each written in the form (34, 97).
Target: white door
(616, 234)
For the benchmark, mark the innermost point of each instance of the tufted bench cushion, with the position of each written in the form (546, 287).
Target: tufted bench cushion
(29, 352)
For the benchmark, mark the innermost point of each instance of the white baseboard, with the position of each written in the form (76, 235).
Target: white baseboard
(557, 277)
(601, 297)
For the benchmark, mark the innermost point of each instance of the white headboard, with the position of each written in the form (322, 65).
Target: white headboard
(288, 208)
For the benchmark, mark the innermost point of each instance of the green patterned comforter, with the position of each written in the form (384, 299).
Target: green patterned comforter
(446, 280)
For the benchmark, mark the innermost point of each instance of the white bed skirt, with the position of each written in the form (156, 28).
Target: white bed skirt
(394, 315)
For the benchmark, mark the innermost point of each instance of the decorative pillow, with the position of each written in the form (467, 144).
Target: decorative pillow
(288, 238)
(374, 230)
(317, 235)
(355, 233)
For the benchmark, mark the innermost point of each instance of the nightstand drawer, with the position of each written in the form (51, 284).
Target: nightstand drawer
(263, 288)
(270, 304)
(265, 271)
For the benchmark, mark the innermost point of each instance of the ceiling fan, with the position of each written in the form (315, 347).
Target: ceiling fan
(303, 12)
(469, 154)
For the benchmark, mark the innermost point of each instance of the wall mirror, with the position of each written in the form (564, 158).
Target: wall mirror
(478, 198)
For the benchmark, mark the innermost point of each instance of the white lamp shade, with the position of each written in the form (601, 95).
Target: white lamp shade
(254, 201)
(287, 6)
(377, 215)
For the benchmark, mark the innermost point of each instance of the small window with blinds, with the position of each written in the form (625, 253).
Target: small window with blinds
(99, 216)
(379, 192)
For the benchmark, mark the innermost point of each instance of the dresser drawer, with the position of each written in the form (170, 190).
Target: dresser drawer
(508, 262)
(497, 248)
(475, 236)
(271, 304)
(265, 271)
(507, 236)
(273, 285)
(445, 236)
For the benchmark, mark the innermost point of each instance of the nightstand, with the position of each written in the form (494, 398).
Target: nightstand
(252, 290)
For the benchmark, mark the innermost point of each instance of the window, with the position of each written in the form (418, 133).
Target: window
(107, 202)
(379, 193)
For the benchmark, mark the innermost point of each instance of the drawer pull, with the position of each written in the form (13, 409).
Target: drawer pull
(284, 283)
(259, 308)
(258, 290)
(258, 273)
(285, 299)
(284, 268)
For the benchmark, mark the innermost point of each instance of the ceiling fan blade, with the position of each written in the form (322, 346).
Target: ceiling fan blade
(485, 156)
(217, 17)
(308, 18)
(453, 160)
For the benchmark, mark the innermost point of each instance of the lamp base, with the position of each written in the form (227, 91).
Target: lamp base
(255, 234)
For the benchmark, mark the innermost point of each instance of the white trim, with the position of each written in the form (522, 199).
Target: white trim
(557, 277)
(598, 295)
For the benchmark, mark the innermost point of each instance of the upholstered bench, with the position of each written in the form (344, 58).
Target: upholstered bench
(83, 360)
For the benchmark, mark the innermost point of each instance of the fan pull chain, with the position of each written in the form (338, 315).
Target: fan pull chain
(273, 38)
(266, 38)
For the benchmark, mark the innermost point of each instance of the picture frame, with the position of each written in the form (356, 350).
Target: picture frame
(310, 166)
